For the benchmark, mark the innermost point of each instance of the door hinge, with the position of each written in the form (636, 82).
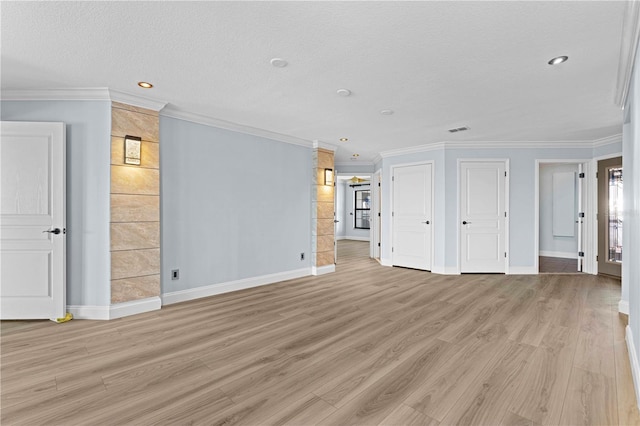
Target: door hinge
(391, 249)
(596, 258)
(393, 178)
(505, 214)
(505, 254)
(581, 214)
(378, 214)
(392, 214)
(378, 183)
(596, 175)
(378, 244)
(580, 254)
(581, 175)
(505, 174)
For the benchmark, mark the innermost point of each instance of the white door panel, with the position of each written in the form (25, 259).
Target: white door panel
(482, 210)
(412, 206)
(32, 183)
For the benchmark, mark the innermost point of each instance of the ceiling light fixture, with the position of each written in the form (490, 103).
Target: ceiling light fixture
(279, 63)
(558, 60)
(344, 139)
(145, 85)
(386, 112)
(356, 155)
(343, 92)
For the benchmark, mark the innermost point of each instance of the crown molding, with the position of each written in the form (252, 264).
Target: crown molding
(324, 145)
(72, 94)
(501, 145)
(412, 149)
(628, 49)
(607, 141)
(171, 112)
(135, 100)
(81, 94)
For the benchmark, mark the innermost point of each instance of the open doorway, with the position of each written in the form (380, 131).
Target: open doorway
(353, 216)
(561, 196)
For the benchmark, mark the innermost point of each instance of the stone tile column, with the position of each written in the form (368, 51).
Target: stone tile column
(322, 229)
(135, 206)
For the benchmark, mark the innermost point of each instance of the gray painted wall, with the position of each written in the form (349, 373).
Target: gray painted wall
(548, 241)
(88, 127)
(631, 188)
(233, 205)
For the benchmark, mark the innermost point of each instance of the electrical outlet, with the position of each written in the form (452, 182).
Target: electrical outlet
(175, 274)
(301, 256)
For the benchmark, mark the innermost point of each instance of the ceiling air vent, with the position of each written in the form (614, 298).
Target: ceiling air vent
(458, 129)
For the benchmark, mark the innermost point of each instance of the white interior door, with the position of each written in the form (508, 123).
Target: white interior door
(32, 252)
(412, 221)
(482, 215)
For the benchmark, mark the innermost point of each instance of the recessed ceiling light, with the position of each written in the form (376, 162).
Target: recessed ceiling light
(145, 85)
(356, 155)
(279, 63)
(344, 139)
(343, 92)
(386, 112)
(558, 60)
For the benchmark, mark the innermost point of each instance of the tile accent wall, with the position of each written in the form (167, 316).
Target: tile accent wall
(322, 237)
(135, 206)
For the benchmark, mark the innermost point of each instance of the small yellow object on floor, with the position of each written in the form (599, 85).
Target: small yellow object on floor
(66, 318)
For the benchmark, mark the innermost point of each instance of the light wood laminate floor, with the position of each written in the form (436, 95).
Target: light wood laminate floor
(366, 345)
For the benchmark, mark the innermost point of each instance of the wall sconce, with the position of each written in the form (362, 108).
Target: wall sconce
(328, 177)
(132, 150)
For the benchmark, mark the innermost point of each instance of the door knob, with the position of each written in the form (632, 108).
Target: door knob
(53, 231)
(336, 221)
(427, 222)
(464, 222)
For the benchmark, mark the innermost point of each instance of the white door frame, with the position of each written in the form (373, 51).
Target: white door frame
(587, 205)
(391, 199)
(506, 207)
(374, 232)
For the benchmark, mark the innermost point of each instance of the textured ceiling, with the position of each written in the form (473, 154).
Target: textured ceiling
(438, 65)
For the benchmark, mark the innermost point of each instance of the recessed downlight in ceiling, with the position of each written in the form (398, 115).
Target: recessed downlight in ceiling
(386, 112)
(279, 62)
(356, 155)
(145, 85)
(458, 129)
(558, 60)
(344, 139)
(344, 92)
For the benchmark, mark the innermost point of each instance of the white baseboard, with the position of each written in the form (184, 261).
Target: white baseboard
(90, 312)
(451, 270)
(321, 270)
(118, 310)
(385, 262)
(623, 307)
(563, 254)
(211, 290)
(134, 307)
(340, 237)
(523, 270)
(437, 269)
(347, 237)
(635, 366)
